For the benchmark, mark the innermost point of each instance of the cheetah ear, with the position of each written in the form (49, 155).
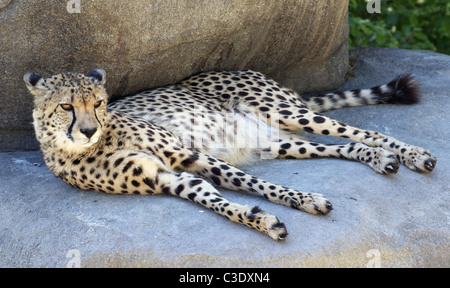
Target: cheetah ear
(97, 76)
(34, 83)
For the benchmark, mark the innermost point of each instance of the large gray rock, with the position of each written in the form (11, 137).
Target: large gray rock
(400, 220)
(142, 44)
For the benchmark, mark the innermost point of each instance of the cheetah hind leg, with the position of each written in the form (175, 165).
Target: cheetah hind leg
(413, 157)
(187, 186)
(379, 159)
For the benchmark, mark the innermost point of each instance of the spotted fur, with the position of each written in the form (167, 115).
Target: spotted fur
(172, 139)
(401, 90)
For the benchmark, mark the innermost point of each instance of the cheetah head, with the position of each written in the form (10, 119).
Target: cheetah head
(69, 109)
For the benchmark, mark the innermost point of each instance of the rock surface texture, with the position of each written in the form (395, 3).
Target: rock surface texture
(143, 44)
(402, 220)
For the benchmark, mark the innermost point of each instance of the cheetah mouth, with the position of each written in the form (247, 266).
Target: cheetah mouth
(85, 143)
(88, 142)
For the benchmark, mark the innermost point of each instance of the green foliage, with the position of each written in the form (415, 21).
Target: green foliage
(409, 24)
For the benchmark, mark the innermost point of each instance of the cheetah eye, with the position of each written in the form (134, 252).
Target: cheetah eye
(66, 107)
(98, 103)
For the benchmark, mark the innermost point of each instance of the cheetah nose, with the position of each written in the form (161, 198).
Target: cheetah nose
(88, 132)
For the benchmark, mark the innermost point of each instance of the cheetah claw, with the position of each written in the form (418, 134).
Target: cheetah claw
(384, 162)
(392, 167)
(430, 164)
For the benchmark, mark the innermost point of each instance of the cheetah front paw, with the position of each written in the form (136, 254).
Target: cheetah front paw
(382, 161)
(310, 202)
(417, 159)
(266, 223)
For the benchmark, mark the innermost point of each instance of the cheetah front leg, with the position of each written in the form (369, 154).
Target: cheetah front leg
(227, 176)
(130, 172)
(299, 118)
(195, 189)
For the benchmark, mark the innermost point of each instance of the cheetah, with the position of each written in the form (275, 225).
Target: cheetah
(187, 139)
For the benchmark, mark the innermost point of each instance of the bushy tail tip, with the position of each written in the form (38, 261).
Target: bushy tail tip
(402, 90)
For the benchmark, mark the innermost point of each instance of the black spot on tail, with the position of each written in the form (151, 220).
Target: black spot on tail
(402, 90)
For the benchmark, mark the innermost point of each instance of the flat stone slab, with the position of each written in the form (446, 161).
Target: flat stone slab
(401, 220)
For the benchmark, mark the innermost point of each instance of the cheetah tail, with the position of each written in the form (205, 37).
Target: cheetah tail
(402, 90)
